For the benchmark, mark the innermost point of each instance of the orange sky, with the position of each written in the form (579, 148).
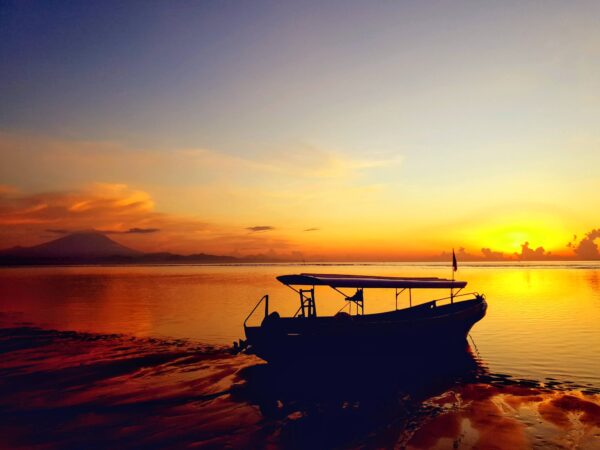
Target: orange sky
(321, 212)
(392, 131)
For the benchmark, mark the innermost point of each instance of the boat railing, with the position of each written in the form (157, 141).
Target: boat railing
(451, 298)
(264, 298)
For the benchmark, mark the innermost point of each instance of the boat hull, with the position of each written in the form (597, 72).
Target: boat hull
(419, 330)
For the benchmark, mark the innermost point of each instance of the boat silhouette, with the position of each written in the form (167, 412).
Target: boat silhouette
(432, 326)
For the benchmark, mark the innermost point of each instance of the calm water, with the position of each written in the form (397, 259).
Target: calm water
(542, 322)
(109, 357)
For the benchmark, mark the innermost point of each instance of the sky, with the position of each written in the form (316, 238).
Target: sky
(336, 130)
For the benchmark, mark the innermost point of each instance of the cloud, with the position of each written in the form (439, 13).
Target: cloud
(128, 214)
(529, 254)
(490, 254)
(314, 162)
(312, 229)
(461, 255)
(260, 228)
(6, 189)
(230, 187)
(97, 202)
(132, 231)
(587, 249)
(129, 231)
(42, 160)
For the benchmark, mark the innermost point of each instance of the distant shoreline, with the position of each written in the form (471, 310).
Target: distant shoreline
(490, 264)
(97, 249)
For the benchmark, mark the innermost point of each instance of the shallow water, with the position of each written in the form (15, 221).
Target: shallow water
(145, 363)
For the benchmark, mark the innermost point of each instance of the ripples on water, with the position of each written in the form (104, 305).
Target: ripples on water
(147, 366)
(80, 390)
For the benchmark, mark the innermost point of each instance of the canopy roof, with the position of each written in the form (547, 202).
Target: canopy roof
(367, 281)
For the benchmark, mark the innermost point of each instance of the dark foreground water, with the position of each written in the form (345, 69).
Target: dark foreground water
(137, 358)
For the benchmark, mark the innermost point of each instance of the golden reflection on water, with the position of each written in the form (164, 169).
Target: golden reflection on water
(542, 322)
(77, 390)
(535, 384)
(487, 417)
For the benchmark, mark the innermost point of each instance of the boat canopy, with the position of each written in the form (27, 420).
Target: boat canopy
(367, 281)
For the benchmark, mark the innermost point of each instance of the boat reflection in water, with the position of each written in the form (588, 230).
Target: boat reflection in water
(324, 403)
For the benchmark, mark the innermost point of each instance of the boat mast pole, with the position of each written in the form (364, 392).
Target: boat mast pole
(454, 268)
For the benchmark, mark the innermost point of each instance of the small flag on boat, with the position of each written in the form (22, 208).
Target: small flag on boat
(454, 263)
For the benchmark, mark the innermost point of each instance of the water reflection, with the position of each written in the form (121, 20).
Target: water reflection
(448, 400)
(325, 404)
(79, 390)
(593, 278)
(542, 321)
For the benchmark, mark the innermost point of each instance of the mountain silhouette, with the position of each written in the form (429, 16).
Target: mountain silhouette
(76, 245)
(97, 248)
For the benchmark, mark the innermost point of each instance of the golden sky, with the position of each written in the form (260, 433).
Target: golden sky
(351, 131)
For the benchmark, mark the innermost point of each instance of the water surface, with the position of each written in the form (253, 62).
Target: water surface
(138, 356)
(542, 321)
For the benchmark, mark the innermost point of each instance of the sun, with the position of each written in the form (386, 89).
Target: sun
(508, 234)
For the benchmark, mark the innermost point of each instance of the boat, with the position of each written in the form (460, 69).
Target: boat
(436, 324)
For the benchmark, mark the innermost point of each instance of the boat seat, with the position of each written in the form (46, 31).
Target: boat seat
(271, 319)
(357, 297)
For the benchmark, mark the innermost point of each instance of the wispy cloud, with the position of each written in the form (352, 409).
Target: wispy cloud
(129, 231)
(130, 215)
(312, 229)
(69, 160)
(305, 160)
(228, 187)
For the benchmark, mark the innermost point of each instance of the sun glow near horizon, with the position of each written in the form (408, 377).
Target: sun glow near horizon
(509, 233)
